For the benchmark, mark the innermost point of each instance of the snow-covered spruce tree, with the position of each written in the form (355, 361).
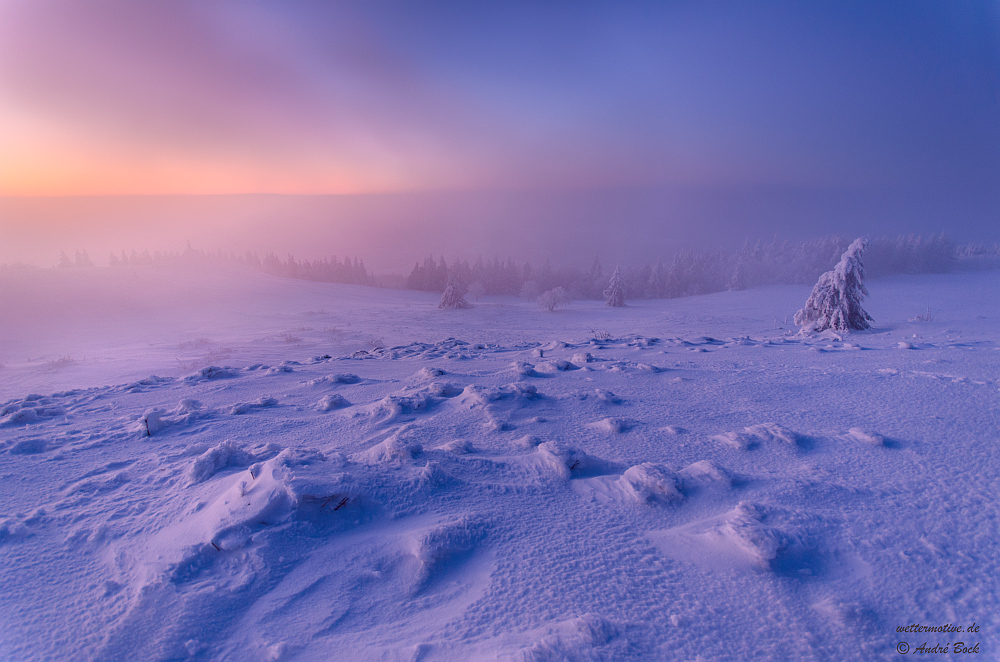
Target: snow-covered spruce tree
(453, 297)
(614, 296)
(835, 302)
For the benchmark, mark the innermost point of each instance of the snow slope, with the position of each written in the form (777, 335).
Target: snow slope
(228, 466)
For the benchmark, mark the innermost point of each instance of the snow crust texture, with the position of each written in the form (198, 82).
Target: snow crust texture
(550, 494)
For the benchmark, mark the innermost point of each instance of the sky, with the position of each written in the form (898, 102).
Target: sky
(885, 109)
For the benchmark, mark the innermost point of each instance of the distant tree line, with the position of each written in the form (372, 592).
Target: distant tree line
(691, 272)
(686, 273)
(81, 260)
(327, 270)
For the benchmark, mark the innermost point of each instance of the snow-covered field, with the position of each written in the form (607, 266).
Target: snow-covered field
(230, 466)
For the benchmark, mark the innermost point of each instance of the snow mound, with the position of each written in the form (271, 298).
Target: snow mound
(745, 526)
(649, 482)
(397, 449)
(612, 425)
(12, 528)
(153, 421)
(558, 365)
(581, 358)
(442, 390)
(523, 369)
(31, 409)
(587, 638)
(642, 342)
(226, 454)
(704, 473)
(338, 378)
(446, 542)
(393, 407)
(527, 442)
(412, 401)
(187, 406)
(607, 396)
(498, 403)
(18, 416)
(567, 462)
(864, 436)
(488, 394)
(213, 372)
(429, 373)
(749, 537)
(754, 435)
(331, 402)
(143, 384)
(294, 485)
(459, 447)
(247, 407)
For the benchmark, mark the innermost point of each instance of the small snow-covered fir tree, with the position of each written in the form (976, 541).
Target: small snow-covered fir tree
(614, 296)
(835, 302)
(454, 296)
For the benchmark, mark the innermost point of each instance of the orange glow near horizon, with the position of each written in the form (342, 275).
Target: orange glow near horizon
(49, 165)
(43, 154)
(77, 175)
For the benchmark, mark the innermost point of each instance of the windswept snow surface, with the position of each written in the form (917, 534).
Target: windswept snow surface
(230, 466)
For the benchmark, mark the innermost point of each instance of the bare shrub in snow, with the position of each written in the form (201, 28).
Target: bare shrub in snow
(614, 296)
(552, 298)
(835, 302)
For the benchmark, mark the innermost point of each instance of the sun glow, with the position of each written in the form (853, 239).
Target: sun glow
(45, 164)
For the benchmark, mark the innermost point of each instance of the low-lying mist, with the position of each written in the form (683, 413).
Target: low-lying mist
(391, 232)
